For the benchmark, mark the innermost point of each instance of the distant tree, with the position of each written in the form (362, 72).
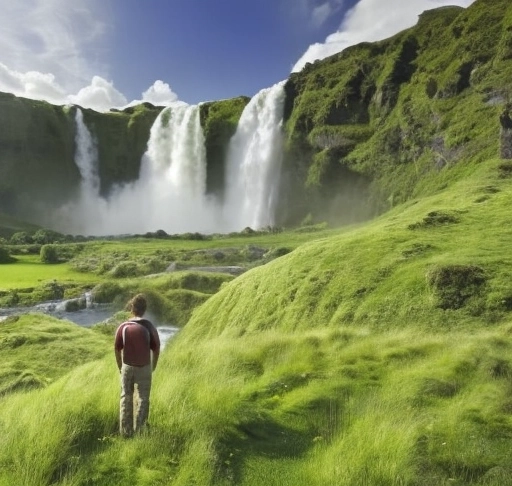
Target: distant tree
(161, 234)
(49, 254)
(45, 236)
(21, 238)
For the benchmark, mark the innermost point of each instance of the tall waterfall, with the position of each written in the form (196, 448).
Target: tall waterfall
(76, 215)
(172, 183)
(86, 158)
(170, 193)
(254, 162)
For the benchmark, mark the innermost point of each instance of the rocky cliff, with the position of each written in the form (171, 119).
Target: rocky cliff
(380, 123)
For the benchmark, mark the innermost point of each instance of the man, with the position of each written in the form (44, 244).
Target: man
(134, 341)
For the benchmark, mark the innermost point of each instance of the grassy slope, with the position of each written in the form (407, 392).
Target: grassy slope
(37, 349)
(331, 365)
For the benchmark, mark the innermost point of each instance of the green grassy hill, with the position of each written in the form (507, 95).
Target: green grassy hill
(380, 356)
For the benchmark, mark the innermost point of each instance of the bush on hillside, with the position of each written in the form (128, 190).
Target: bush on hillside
(277, 252)
(106, 292)
(126, 269)
(5, 256)
(21, 238)
(49, 291)
(48, 254)
(45, 236)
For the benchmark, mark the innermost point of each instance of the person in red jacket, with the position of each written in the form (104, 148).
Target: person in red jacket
(135, 341)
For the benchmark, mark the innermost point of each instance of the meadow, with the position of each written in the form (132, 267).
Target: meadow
(376, 355)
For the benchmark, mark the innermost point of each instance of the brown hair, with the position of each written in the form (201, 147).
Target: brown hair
(137, 305)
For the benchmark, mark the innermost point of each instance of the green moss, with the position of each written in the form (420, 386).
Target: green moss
(122, 139)
(36, 144)
(219, 120)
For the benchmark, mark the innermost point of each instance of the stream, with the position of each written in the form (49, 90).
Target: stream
(85, 317)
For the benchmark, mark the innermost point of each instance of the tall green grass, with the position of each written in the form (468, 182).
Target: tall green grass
(344, 362)
(320, 407)
(36, 349)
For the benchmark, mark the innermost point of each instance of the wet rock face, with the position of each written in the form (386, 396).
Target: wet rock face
(506, 143)
(506, 134)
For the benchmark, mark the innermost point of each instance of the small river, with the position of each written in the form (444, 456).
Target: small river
(87, 317)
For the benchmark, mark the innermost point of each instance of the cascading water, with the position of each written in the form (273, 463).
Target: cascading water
(174, 166)
(75, 216)
(86, 158)
(170, 193)
(254, 162)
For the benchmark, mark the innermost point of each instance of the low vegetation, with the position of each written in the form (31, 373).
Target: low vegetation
(375, 355)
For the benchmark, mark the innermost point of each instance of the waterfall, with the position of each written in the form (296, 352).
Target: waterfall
(173, 173)
(176, 158)
(254, 162)
(170, 193)
(74, 216)
(86, 158)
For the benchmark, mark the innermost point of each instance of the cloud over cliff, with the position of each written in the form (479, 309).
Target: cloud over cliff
(56, 50)
(372, 20)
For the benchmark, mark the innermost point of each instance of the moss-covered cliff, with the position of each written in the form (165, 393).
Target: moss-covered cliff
(219, 120)
(382, 122)
(37, 150)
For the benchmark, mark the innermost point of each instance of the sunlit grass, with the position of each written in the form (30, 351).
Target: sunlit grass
(29, 271)
(339, 363)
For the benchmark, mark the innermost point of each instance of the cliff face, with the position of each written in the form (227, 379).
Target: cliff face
(387, 121)
(370, 127)
(37, 151)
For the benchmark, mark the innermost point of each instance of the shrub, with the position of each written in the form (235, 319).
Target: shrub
(45, 236)
(125, 269)
(51, 291)
(5, 256)
(277, 252)
(49, 254)
(21, 238)
(106, 292)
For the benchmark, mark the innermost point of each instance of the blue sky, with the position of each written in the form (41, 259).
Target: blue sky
(111, 53)
(214, 49)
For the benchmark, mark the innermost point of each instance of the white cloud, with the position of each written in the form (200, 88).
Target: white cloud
(321, 13)
(100, 95)
(313, 12)
(31, 84)
(46, 53)
(52, 36)
(372, 20)
(159, 94)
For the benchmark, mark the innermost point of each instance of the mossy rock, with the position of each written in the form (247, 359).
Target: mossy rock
(436, 218)
(453, 285)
